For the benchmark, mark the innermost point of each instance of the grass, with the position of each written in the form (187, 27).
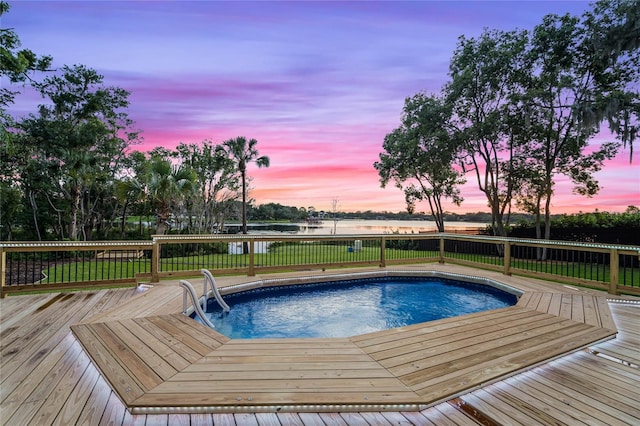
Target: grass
(315, 254)
(587, 271)
(290, 255)
(94, 270)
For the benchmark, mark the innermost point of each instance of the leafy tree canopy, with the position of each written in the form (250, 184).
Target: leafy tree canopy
(16, 63)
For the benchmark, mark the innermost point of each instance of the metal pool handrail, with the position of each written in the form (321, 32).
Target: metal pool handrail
(188, 288)
(208, 277)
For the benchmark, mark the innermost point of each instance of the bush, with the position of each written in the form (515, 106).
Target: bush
(597, 227)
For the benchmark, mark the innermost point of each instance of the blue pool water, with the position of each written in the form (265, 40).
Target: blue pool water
(348, 308)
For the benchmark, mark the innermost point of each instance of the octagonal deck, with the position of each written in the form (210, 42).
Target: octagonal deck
(170, 363)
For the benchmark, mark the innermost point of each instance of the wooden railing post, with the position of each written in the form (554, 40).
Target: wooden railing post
(155, 261)
(252, 265)
(3, 272)
(614, 271)
(452, 248)
(507, 258)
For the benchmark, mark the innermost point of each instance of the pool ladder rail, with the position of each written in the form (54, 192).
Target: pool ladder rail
(208, 278)
(189, 290)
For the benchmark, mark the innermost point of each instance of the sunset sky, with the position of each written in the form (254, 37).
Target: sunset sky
(318, 84)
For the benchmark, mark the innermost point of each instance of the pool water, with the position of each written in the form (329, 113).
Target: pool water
(349, 308)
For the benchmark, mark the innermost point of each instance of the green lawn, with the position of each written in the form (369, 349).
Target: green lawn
(311, 254)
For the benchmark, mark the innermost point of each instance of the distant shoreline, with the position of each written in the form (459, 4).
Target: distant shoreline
(358, 226)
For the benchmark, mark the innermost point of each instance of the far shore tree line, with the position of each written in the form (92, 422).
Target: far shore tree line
(520, 109)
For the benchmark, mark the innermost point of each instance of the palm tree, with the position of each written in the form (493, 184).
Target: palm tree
(243, 152)
(129, 191)
(81, 171)
(167, 186)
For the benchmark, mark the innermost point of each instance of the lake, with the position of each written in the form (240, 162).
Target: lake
(356, 226)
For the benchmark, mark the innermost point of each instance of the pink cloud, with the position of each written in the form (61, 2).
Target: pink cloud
(317, 84)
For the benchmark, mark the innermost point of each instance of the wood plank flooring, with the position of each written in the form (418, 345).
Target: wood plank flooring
(584, 308)
(47, 378)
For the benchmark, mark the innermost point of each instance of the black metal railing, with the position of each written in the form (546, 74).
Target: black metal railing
(28, 266)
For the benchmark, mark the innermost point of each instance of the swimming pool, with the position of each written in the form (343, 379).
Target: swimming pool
(350, 307)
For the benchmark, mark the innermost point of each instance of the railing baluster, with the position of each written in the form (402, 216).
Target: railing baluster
(597, 265)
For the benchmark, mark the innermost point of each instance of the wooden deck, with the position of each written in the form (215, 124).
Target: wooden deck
(380, 378)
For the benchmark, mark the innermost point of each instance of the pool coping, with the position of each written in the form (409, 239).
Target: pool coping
(270, 282)
(139, 357)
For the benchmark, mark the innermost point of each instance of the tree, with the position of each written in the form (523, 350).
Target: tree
(419, 155)
(16, 63)
(73, 146)
(168, 186)
(10, 208)
(217, 183)
(129, 191)
(562, 76)
(334, 213)
(611, 41)
(485, 75)
(275, 211)
(243, 152)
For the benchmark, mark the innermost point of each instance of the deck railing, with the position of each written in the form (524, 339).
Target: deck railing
(32, 266)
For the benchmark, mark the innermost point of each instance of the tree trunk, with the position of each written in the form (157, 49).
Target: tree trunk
(245, 245)
(498, 226)
(547, 224)
(539, 253)
(160, 225)
(34, 209)
(124, 219)
(75, 207)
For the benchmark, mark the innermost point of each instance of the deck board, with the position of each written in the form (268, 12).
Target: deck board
(14, 389)
(603, 398)
(590, 407)
(127, 387)
(130, 358)
(20, 405)
(134, 366)
(514, 409)
(593, 389)
(14, 314)
(77, 399)
(589, 309)
(419, 369)
(82, 396)
(445, 414)
(96, 404)
(401, 352)
(47, 412)
(415, 333)
(501, 412)
(175, 343)
(435, 387)
(196, 336)
(545, 398)
(24, 348)
(628, 355)
(174, 359)
(419, 364)
(44, 339)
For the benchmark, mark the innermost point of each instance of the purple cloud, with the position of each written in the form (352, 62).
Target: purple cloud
(319, 84)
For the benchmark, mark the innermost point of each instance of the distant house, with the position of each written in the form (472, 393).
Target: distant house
(259, 247)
